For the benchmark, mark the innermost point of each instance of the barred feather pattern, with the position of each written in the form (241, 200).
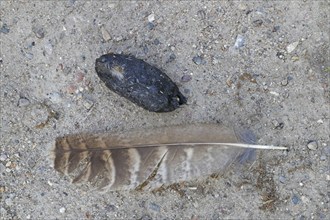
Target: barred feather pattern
(146, 159)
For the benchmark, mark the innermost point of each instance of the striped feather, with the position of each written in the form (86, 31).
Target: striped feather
(148, 159)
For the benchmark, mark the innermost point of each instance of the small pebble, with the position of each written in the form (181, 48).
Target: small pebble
(295, 199)
(198, 60)
(323, 158)
(28, 55)
(39, 115)
(156, 42)
(201, 14)
(8, 164)
(186, 78)
(282, 179)
(312, 145)
(71, 89)
(110, 208)
(171, 58)
(70, 3)
(23, 102)
(291, 47)
(216, 195)
(54, 97)
(4, 29)
(79, 77)
(105, 34)
(150, 25)
(285, 82)
(186, 91)
(88, 104)
(146, 217)
(62, 210)
(242, 7)
(48, 48)
(3, 211)
(119, 38)
(274, 93)
(2, 168)
(280, 55)
(276, 28)
(145, 48)
(290, 78)
(66, 70)
(240, 40)
(39, 32)
(8, 202)
(304, 199)
(151, 17)
(294, 58)
(320, 121)
(153, 206)
(257, 23)
(28, 217)
(3, 157)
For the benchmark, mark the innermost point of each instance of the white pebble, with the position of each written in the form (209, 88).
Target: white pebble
(274, 93)
(62, 210)
(8, 202)
(55, 97)
(304, 199)
(312, 145)
(3, 157)
(23, 102)
(48, 48)
(105, 34)
(242, 7)
(88, 104)
(320, 121)
(8, 164)
(120, 38)
(239, 41)
(292, 47)
(151, 17)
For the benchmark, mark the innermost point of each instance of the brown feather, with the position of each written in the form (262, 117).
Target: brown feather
(147, 158)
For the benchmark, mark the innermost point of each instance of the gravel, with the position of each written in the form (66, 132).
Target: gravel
(240, 41)
(291, 47)
(23, 102)
(186, 78)
(295, 199)
(312, 145)
(49, 88)
(105, 34)
(198, 60)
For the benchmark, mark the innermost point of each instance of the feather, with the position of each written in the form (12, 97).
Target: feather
(149, 158)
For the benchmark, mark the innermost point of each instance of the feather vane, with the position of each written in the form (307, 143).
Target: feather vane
(149, 158)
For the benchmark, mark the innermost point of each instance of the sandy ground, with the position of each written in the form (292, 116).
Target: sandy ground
(263, 65)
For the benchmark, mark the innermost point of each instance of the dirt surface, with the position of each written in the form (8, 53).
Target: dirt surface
(263, 65)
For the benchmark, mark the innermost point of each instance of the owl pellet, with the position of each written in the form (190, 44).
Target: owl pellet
(139, 82)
